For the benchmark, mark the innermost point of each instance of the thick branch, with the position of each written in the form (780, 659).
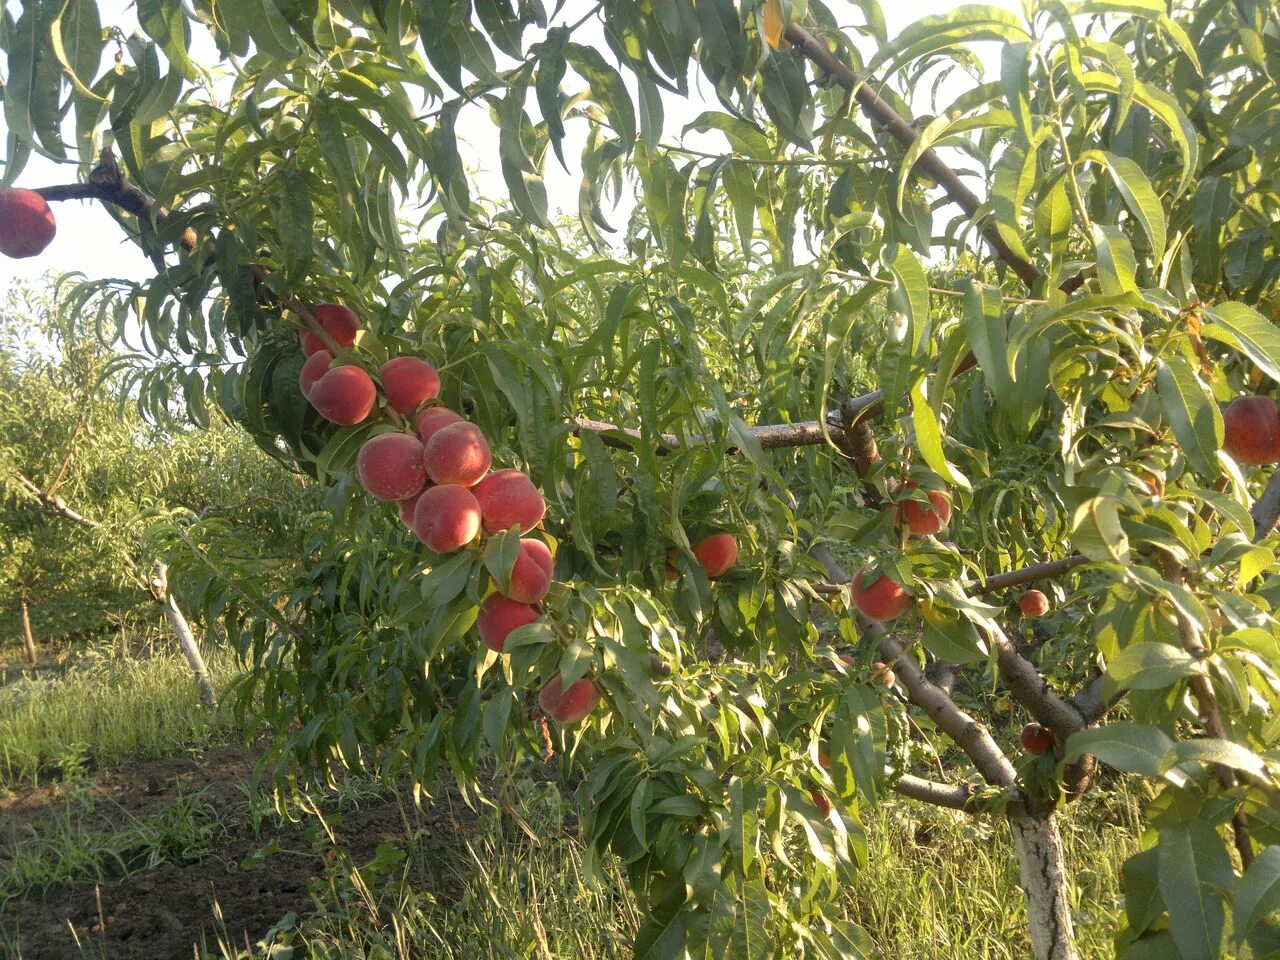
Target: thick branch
(1037, 571)
(1033, 691)
(52, 503)
(769, 436)
(1091, 702)
(957, 796)
(820, 53)
(107, 184)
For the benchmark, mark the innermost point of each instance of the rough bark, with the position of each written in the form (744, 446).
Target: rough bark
(186, 640)
(1042, 873)
(27, 638)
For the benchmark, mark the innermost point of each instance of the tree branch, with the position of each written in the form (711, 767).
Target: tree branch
(107, 184)
(821, 55)
(957, 796)
(1037, 571)
(1033, 691)
(52, 503)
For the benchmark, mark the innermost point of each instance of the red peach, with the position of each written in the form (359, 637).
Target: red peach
(531, 573)
(923, 519)
(881, 670)
(568, 706)
(341, 323)
(882, 600)
(821, 802)
(26, 223)
(406, 509)
(1036, 739)
(389, 466)
(344, 395)
(432, 419)
(498, 617)
(1033, 604)
(317, 366)
(509, 499)
(446, 517)
(458, 453)
(1251, 430)
(408, 383)
(717, 553)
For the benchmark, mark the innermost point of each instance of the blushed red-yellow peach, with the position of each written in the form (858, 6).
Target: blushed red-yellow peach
(458, 454)
(446, 518)
(500, 615)
(317, 366)
(717, 553)
(344, 395)
(406, 508)
(26, 223)
(408, 383)
(531, 573)
(1033, 604)
(883, 599)
(923, 519)
(568, 706)
(389, 466)
(509, 499)
(340, 322)
(1251, 430)
(432, 419)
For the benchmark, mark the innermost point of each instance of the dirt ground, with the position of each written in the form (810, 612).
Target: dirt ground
(254, 880)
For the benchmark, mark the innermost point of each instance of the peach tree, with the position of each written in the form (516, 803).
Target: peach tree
(1002, 356)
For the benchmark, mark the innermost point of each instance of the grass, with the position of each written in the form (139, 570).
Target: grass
(105, 712)
(936, 884)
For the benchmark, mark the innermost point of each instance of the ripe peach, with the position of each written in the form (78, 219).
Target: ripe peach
(531, 573)
(406, 509)
(882, 600)
(821, 802)
(880, 670)
(446, 517)
(1251, 430)
(1035, 738)
(389, 466)
(432, 419)
(923, 519)
(568, 706)
(1033, 604)
(717, 553)
(408, 383)
(341, 323)
(824, 759)
(26, 223)
(344, 395)
(457, 453)
(508, 499)
(317, 366)
(499, 616)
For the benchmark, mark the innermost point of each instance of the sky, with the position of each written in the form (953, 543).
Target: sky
(89, 240)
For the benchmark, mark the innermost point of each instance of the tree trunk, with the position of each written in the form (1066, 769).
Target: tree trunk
(182, 630)
(27, 637)
(1043, 875)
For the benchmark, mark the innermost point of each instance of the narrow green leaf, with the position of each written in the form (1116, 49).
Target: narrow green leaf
(1131, 747)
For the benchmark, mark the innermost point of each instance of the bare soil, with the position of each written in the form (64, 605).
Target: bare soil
(252, 879)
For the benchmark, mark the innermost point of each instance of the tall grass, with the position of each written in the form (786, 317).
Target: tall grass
(104, 712)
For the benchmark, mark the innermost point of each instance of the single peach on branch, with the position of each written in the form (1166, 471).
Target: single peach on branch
(717, 553)
(568, 706)
(1251, 430)
(446, 518)
(923, 518)
(458, 454)
(881, 600)
(1036, 739)
(26, 223)
(499, 616)
(344, 395)
(341, 323)
(509, 499)
(389, 466)
(408, 383)
(1033, 604)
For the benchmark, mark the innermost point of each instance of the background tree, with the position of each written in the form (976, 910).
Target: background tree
(1103, 215)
